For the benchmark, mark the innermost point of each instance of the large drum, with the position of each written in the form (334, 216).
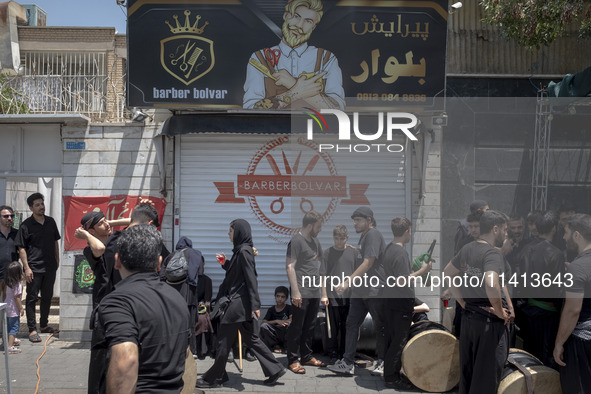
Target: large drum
(544, 380)
(190, 375)
(431, 357)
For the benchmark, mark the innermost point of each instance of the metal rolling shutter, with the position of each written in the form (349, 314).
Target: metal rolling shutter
(202, 159)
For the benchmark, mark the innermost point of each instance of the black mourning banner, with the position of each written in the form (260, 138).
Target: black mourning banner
(196, 53)
(83, 276)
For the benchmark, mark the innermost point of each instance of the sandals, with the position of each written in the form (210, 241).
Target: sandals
(13, 350)
(34, 338)
(47, 330)
(17, 342)
(315, 362)
(297, 368)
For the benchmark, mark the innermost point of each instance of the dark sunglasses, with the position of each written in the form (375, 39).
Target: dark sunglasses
(8, 216)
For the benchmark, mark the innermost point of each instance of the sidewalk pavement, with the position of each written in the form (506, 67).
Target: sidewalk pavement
(64, 370)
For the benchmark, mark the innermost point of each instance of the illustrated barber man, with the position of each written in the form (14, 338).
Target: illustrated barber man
(294, 74)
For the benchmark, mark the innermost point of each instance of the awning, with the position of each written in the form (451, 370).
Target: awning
(227, 123)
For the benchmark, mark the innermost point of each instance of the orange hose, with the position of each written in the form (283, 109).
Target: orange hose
(42, 354)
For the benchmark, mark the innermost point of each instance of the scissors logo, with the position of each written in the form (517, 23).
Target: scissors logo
(288, 177)
(186, 55)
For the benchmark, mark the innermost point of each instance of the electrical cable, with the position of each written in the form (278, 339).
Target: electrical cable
(37, 362)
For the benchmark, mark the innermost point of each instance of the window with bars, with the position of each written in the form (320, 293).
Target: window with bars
(65, 81)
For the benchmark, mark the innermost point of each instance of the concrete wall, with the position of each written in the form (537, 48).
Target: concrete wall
(17, 191)
(118, 159)
(426, 216)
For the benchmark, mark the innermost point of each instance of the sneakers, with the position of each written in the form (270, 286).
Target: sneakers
(342, 367)
(378, 369)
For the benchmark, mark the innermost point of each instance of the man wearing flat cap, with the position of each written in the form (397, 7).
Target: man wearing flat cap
(95, 230)
(364, 298)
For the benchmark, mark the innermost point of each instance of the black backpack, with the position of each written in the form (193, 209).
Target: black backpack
(177, 267)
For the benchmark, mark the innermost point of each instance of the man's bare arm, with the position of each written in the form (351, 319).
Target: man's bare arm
(573, 304)
(22, 254)
(293, 282)
(451, 271)
(493, 292)
(96, 246)
(122, 373)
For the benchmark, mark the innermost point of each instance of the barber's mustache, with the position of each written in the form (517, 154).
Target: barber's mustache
(296, 29)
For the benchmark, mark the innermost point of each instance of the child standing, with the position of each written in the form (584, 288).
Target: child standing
(14, 277)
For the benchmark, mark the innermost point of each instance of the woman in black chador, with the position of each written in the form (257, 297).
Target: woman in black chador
(240, 284)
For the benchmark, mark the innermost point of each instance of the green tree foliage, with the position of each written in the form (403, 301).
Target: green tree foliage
(11, 100)
(534, 23)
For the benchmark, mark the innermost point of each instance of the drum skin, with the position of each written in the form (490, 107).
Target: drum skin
(545, 380)
(431, 357)
(190, 375)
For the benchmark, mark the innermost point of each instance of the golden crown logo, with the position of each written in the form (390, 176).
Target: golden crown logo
(186, 54)
(187, 28)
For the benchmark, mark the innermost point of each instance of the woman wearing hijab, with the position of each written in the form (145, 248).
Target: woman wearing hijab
(241, 285)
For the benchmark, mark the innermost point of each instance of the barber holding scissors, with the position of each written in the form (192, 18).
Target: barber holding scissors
(294, 74)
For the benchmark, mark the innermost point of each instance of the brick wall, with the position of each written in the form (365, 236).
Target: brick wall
(117, 160)
(74, 34)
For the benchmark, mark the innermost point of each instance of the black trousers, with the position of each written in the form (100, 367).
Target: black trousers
(397, 324)
(484, 347)
(97, 367)
(192, 338)
(301, 331)
(338, 325)
(457, 323)
(358, 309)
(273, 335)
(44, 283)
(226, 336)
(575, 377)
(542, 334)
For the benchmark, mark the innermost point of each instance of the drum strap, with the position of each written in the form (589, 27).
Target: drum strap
(528, 381)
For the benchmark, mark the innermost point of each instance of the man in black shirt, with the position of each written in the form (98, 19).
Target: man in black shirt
(338, 262)
(95, 230)
(543, 303)
(463, 236)
(473, 221)
(572, 350)
(516, 243)
(145, 320)
(304, 254)
(276, 321)
(37, 240)
(484, 341)
(400, 295)
(367, 297)
(8, 251)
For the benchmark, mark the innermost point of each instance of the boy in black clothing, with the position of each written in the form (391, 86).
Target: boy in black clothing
(339, 262)
(276, 321)
(398, 310)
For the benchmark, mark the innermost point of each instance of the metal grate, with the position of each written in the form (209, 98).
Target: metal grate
(65, 82)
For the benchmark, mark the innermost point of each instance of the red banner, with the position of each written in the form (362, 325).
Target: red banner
(114, 207)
